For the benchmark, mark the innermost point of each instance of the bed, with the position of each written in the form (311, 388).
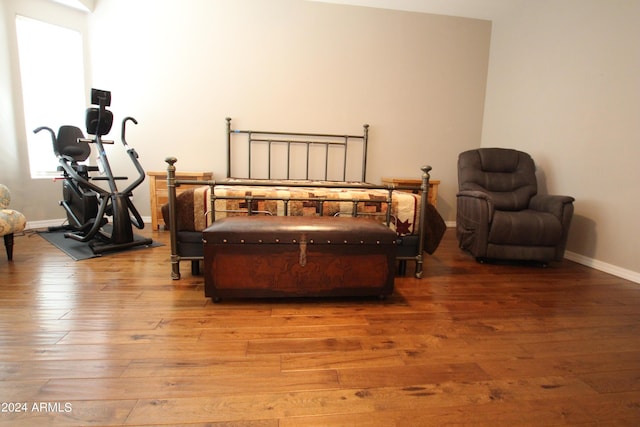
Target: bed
(298, 174)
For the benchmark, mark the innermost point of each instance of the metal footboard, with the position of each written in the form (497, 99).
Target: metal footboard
(173, 183)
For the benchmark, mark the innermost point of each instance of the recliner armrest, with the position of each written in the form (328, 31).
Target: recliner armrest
(473, 215)
(553, 204)
(474, 193)
(478, 201)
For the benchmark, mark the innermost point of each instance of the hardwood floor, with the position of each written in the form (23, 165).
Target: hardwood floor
(114, 341)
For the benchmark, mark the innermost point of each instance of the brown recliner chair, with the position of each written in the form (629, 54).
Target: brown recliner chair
(500, 216)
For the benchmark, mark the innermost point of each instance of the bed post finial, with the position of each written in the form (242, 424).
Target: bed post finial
(173, 221)
(365, 142)
(228, 119)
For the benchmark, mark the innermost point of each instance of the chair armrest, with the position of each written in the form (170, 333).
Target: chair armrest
(473, 216)
(551, 203)
(562, 208)
(477, 201)
(474, 193)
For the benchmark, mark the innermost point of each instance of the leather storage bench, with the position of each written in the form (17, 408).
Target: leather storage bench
(264, 256)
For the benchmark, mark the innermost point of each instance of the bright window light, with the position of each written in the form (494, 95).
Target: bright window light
(52, 74)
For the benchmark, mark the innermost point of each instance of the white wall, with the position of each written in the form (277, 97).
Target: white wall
(181, 67)
(564, 85)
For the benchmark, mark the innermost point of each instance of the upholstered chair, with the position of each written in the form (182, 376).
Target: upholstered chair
(11, 221)
(500, 214)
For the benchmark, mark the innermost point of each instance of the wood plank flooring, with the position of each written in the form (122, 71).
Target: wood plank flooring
(115, 341)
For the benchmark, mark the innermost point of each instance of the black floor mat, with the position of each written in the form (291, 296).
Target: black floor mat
(82, 250)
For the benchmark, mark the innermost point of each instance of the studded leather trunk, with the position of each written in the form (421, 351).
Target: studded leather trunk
(262, 256)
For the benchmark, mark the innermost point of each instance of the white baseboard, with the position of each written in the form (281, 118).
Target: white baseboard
(38, 225)
(624, 273)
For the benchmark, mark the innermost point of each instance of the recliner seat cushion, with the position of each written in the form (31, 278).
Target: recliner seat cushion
(525, 228)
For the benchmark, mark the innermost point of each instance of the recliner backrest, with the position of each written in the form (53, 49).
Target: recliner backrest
(507, 175)
(67, 144)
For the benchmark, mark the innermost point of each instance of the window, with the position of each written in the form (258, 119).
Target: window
(52, 74)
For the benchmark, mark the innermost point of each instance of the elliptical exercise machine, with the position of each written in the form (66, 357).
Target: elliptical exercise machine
(87, 204)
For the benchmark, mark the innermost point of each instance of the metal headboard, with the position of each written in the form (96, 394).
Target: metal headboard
(291, 141)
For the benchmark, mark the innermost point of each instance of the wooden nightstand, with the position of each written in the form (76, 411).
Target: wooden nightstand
(159, 195)
(433, 186)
